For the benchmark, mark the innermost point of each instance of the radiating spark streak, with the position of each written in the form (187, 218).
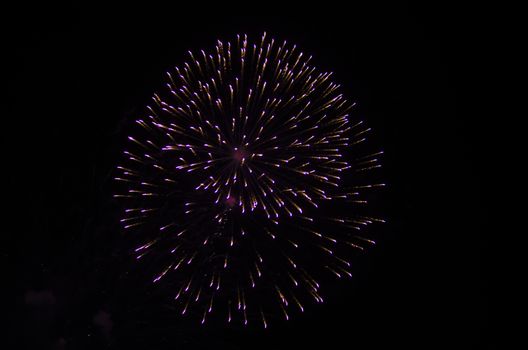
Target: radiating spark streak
(263, 319)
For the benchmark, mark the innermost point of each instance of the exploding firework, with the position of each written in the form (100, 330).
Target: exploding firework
(245, 182)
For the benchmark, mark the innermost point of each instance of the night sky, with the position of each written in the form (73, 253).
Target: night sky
(76, 80)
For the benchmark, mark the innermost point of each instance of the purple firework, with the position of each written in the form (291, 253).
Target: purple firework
(246, 180)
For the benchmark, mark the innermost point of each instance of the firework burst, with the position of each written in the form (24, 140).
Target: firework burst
(246, 181)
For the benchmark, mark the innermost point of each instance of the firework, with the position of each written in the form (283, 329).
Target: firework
(245, 182)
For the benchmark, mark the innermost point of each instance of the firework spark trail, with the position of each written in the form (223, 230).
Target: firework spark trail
(230, 178)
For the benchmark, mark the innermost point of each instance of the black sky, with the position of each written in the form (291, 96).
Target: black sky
(76, 79)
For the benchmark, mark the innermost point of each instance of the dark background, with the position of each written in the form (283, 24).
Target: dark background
(76, 76)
